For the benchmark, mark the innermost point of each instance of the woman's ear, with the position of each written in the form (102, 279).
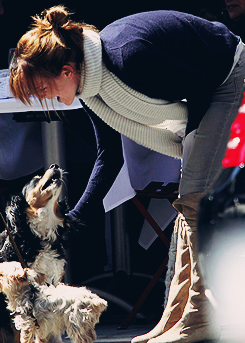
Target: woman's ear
(68, 70)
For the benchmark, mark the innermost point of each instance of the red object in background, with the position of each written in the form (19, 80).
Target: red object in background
(235, 153)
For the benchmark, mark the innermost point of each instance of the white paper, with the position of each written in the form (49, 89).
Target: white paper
(120, 191)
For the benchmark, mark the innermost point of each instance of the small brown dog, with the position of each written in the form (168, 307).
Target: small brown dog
(43, 312)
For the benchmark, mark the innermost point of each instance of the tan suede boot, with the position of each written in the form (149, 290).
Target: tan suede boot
(178, 292)
(188, 205)
(198, 321)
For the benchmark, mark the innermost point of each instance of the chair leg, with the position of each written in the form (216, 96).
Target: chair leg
(159, 272)
(144, 295)
(151, 221)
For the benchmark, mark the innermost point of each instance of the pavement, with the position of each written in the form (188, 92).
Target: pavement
(110, 330)
(109, 333)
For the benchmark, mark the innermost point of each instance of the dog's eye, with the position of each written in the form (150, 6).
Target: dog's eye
(35, 180)
(32, 184)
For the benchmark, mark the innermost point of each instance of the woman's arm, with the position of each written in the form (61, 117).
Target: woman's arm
(108, 163)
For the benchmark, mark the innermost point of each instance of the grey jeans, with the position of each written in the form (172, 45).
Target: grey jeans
(208, 150)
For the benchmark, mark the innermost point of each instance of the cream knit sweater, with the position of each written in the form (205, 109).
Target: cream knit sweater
(153, 123)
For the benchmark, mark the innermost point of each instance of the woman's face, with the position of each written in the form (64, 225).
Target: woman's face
(63, 87)
(235, 8)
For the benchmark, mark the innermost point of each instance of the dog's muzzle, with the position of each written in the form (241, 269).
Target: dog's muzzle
(54, 175)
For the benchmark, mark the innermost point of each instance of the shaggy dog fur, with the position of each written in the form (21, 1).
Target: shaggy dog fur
(39, 227)
(42, 311)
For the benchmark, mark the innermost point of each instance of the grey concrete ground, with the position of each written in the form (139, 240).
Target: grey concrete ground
(110, 334)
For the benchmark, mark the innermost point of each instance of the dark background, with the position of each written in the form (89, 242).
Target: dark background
(17, 14)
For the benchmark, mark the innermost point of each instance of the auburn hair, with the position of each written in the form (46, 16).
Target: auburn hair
(52, 41)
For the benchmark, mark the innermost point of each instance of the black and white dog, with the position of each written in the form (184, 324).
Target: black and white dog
(39, 227)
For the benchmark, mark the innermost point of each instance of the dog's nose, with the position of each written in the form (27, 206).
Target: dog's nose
(54, 166)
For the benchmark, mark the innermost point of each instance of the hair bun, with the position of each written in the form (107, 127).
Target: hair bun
(57, 16)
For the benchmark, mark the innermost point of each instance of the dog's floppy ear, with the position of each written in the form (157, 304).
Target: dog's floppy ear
(16, 212)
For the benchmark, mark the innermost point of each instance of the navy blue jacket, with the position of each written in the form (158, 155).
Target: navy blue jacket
(162, 54)
(170, 55)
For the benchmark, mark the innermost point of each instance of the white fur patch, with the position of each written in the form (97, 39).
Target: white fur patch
(47, 262)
